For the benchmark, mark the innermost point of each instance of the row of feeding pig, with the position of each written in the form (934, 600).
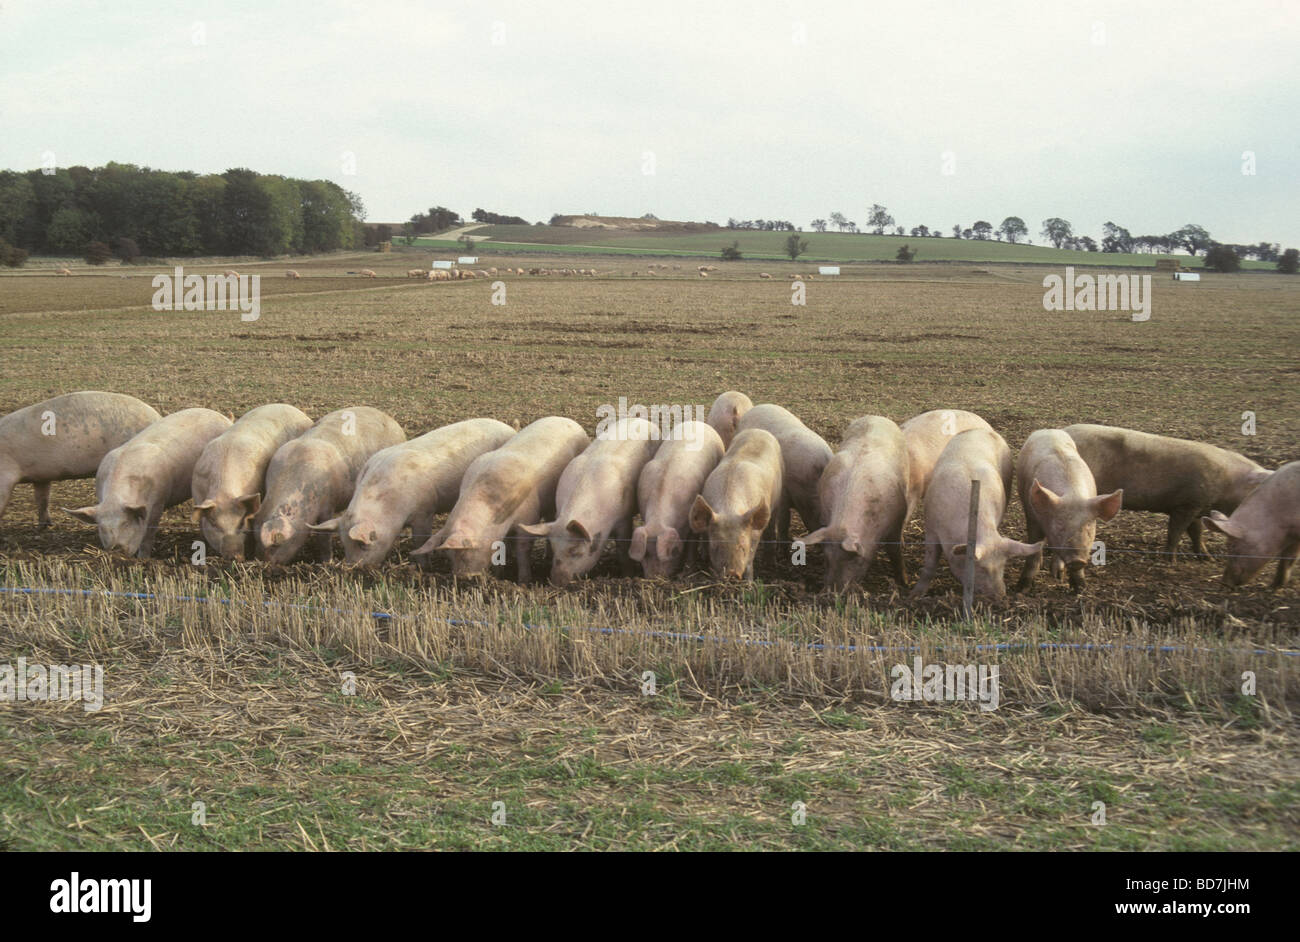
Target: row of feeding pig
(712, 491)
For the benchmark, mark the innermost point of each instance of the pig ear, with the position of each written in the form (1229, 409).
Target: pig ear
(960, 550)
(136, 510)
(199, 508)
(455, 541)
(636, 550)
(852, 545)
(1217, 521)
(701, 514)
(361, 535)
(431, 544)
(1042, 499)
(329, 526)
(1108, 505)
(759, 516)
(534, 529)
(84, 514)
(817, 536)
(577, 529)
(251, 503)
(1014, 548)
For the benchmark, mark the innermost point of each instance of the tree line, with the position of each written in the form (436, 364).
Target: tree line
(138, 211)
(1192, 238)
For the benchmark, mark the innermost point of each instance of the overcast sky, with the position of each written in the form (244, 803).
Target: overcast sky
(1136, 112)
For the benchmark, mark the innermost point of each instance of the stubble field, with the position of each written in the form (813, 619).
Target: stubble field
(475, 693)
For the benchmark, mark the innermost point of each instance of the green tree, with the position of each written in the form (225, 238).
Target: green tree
(904, 254)
(879, 218)
(1194, 238)
(795, 246)
(731, 253)
(97, 253)
(1013, 229)
(69, 230)
(17, 201)
(1057, 231)
(1222, 258)
(1289, 262)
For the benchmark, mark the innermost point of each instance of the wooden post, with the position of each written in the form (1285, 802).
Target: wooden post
(968, 591)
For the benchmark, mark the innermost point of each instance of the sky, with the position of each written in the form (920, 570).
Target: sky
(1144, 114)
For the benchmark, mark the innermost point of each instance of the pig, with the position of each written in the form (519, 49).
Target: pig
(866, 494)
(1173, 476)
(64, 438)
(927, 435)
(141, 478)
(230, 476)
(976, 454)
(727, 410)
(804, 456)
(596, 500)
(743, 498)
(1265, 525)
(1061, 503)
(665, 491)
(504, 489)
(408, 485)
(311, 478)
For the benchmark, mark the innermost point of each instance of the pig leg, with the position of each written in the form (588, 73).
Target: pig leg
(8, 478)
(928, 570)
(1180, 522)
(1034, 533)
(41, 492)
(1284, 564)
(421, 530)
(894, 550)
(622, 545)
(1196, 532)
(322, 546)
(150, 533)
(523, 548)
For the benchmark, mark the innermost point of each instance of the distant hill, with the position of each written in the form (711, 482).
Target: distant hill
(627, 222)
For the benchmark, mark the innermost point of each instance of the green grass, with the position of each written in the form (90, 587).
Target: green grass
(822, 247)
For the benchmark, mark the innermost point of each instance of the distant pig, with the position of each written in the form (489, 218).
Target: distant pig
(63, 438)
(1173, 476)
(804, 456)
(727, 410)
(408, 485)
(137, 481)
(665, 491)
(866, 496)
(1060, 499)
(977, 454)
(742, 499)
(311, 478)
(927, 435)
(503, 490)
(595, 500)
(1266, 525)
(230, 475)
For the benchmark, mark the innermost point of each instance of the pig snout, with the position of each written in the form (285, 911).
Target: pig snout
(1076, 569)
